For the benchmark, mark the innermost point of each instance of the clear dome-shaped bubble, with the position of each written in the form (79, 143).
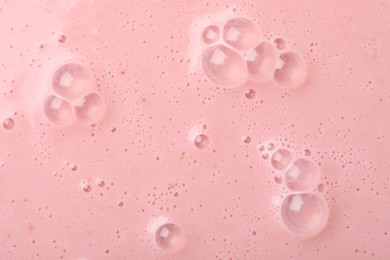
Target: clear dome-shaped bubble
(223, 66)
(302, 175)
(72, 81)
(89, 109)
(201, 141)
(210, 34)
(291, 70)
(8, 123)
(281, 159)
(241, 33)
(58, 111)
(261, 62)
(170, 237)
(304, 214)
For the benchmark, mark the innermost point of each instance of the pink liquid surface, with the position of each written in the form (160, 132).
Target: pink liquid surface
(194, 129)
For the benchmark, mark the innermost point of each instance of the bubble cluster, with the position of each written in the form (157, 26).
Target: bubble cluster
(303, 212)
(74, 98)
(243, 54)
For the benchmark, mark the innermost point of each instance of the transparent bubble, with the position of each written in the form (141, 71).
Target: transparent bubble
(250, 93)
(8, 123)
(291, 70)
(241, 33)
(72, 81)
(302, 175)
(280, 43)
(58, 111)
(100, 182)
(281, 159)
(223, 66)
(261, 62)
(210, 34)
(304, 214)
(61, 38)
(89, 109)
(201, 141)
(170, 237)
(246, 139)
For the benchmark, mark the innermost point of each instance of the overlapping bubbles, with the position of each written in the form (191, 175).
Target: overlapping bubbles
(304, 212)
(73, 97)
(237, 53)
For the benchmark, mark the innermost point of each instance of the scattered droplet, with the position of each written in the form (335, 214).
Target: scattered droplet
(58, 111)
(241, 33)
(290, 70)
(250, 93)
(72, 81)
(304, 214)
(201, 141)
(8, 123)
(281, 159)
(210, 34)
(261, 62)
(223, 66)
(89, 109)
(280, 43)
(260, 147)
(170, 237)
(302, 175)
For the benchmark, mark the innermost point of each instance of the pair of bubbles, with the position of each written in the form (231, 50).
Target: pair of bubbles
(237, 53)
(73, 97)
(303, 212)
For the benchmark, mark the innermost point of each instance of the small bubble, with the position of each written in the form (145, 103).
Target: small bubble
(58, 111)
(281, 159)
(170, 237)
(241, 33)
(307, 152)
(210, 34)
(120, 203)
(89, 109)
(280, 43)
(302, 175)
(290, 70)
(260, 147)
(201, 141)
(250, 93)
(304, 214)
(223, 66)
(61, 38)
(8, 123)
(278, 179)
(321, 187)
(100, 182)
(261, 62)
(72, 80)
(270, 146)
(265, 156)
(246, 139)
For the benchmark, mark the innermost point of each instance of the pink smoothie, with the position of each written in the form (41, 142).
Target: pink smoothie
(194, 129)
